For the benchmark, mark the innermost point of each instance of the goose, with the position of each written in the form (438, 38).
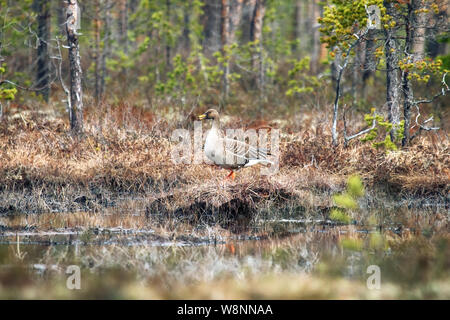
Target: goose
(229, 153)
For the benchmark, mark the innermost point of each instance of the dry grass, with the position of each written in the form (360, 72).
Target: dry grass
(124, 161)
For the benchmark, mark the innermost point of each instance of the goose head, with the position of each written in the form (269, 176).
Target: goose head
(210, 114)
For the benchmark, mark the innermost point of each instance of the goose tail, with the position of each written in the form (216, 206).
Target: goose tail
(253, 162)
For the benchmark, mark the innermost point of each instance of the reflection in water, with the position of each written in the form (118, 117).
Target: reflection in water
(129, 250)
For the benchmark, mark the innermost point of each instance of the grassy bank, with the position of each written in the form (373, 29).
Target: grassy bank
(124, 160)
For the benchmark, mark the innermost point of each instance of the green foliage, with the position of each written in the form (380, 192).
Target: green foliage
(299, 81)
(383, 135)
(445, 67)
(7, 90)
(179, 80)
(355, 187)
(347, 202)
(422, 70)
(340, 216)
(343, 18)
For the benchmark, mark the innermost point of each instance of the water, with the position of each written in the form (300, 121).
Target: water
(119, 250)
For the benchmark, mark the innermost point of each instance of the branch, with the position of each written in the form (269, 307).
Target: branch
(422, 126)
(360, 133)
(63, 85)
(442, 93)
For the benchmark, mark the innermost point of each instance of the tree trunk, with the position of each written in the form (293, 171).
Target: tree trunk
(168, 49)
(123, 39)
(335, 66)
(186, 29)
(297, 25)
(408, 96)
(97, 53)
(123, 25)
(256, 36)
(392, 77)
(43, 33)
(315, 56)
(247, 17)
(107, 21)
(211, 26)
(225, 39)
(60, 17)
(369, 61)
(76, 93)
(236, 15)
(418, 33)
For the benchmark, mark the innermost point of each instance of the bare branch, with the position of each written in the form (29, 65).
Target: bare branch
(360, 133)
(444, 90)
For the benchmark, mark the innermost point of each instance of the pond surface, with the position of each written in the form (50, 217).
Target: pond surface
(412, 251)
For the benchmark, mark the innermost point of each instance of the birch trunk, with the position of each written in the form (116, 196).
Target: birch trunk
(392, 74)
(76, 93)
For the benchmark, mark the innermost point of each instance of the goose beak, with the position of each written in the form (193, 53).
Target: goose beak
(201, 117)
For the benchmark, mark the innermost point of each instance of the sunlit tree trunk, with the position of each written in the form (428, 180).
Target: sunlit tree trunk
(76, 93)
(419, 29)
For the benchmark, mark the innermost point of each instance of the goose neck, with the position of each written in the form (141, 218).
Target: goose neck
(215, 124)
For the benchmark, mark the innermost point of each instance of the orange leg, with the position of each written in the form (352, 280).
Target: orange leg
(231, 248)
(232, 175)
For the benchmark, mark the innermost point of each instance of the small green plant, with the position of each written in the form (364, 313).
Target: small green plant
(347, 201)
(7, 90)
(381, 127)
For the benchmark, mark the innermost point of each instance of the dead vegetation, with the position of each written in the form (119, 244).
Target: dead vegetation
(124, 159)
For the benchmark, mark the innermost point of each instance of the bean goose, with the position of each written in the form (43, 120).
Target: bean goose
(230, 153)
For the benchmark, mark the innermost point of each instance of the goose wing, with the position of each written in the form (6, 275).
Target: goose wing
(244, 151)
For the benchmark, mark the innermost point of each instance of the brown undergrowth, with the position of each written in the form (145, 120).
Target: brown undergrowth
(124, 158)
